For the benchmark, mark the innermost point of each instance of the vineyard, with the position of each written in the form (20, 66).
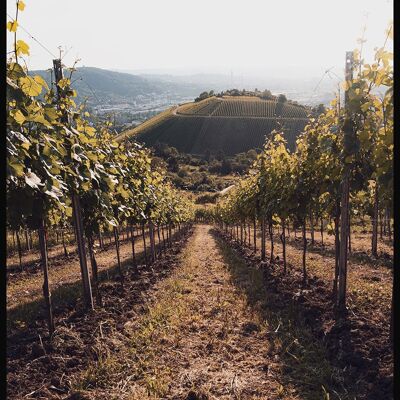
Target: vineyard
(149, 124)
(304, 191)
(66, 176)
(233, 125)
(120, 287)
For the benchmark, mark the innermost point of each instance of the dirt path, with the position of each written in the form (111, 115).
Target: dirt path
(211, 331)
(200, 324)
(219, 349)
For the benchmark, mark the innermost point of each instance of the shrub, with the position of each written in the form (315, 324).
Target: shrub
(204, 188)
(182, 172)
(207, 198)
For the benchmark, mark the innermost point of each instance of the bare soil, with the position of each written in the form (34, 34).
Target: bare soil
(25, 286)
(210, 321)
(358, 343)
(40, 368)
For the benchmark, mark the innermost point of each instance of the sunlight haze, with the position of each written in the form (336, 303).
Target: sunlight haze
(288, 37)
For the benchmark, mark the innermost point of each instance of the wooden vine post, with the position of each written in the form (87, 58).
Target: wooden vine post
(144, 244)
(255, 234)
(117, 248)
(19, 251)
(133, 249)
(45, 267)
(283, 240)
(76, 210)
(93, 263)
(152, 241)
(262, 238)
(374, 244)
(80, 239)
(344, 204)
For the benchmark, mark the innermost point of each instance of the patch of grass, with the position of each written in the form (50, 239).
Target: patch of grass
(304, 360)
(100, 374)
(139, 360)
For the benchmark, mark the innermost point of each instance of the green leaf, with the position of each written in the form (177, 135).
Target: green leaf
(63, 83)
(17, 167)
(51, 114)
(15, 71)
(40, 81)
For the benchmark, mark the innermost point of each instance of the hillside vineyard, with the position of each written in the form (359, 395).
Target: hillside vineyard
(144, 274)
(229, 124)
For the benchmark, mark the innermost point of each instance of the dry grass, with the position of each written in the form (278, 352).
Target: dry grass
(212, 332)
(361, 343)
(214, 325)
(95, 341)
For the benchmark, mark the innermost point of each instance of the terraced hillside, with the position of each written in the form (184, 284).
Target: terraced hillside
(231, 124)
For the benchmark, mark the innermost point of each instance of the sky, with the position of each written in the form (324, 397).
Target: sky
(297, 38)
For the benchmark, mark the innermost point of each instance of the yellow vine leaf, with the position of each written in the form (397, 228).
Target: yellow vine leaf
(22, 47)
(12, 26)
(51, 114)
(90, 130)
(40, 81)
(39, 118)
(63, 83)
(21, 5)
(29, 86)
(17, 167)
(18, 116)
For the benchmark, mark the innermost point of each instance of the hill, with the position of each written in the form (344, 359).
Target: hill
(102, 87)
(228, 123)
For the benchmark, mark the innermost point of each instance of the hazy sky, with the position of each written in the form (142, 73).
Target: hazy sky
(202, 36)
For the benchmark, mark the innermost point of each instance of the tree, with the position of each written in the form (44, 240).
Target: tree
(226, 167)
(173, 164)
(202, 96)
(320, 109)
(251, 154)
(266, 95)
(282, 98)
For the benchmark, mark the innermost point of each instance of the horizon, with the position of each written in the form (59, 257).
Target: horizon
(240, 45)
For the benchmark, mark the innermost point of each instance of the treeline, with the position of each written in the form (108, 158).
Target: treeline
(265, 95)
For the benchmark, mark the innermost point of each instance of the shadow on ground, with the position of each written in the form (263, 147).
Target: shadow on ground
(43, 367)
(317, 350)
(33, 266)
(361, 257)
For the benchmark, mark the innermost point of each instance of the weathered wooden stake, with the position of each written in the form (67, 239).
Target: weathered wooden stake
(45, 268)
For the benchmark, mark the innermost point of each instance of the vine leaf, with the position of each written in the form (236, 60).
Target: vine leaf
(32, 180)
(22, 47)
(12, 26)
